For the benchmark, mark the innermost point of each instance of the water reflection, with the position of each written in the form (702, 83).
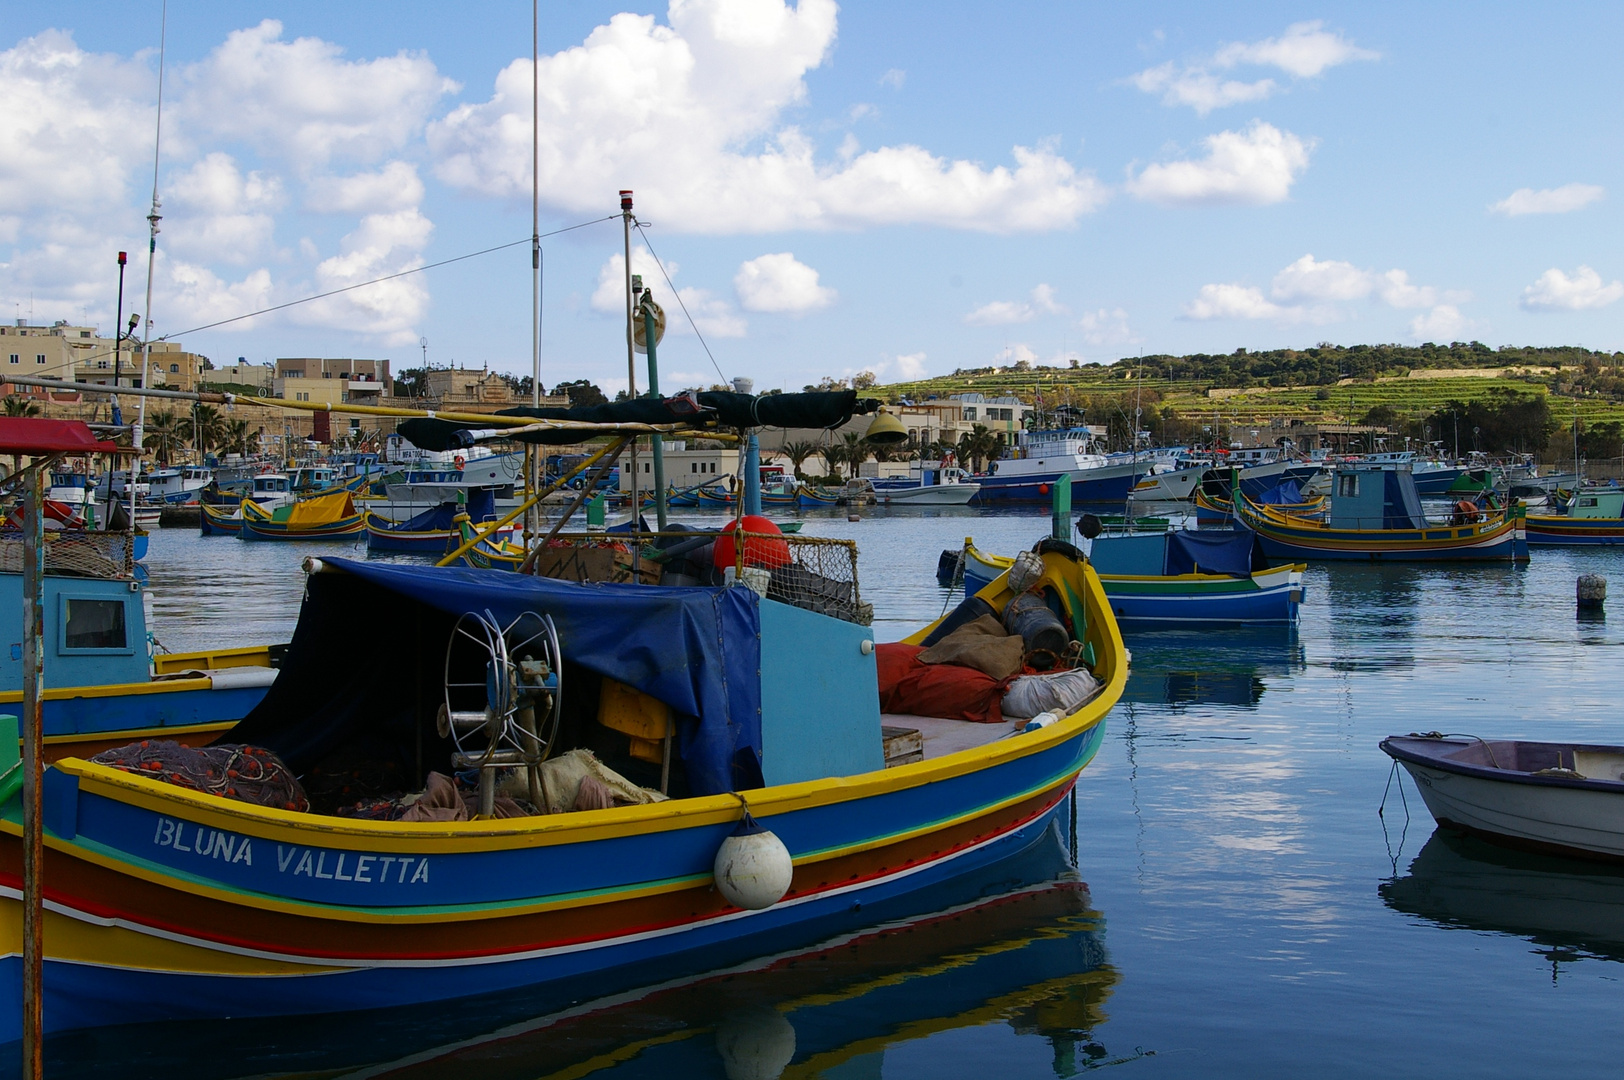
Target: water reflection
(1018, 945)
(1573, 908)
(1372, 614)
(1211, 667)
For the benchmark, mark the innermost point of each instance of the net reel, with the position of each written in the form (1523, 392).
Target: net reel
(522, 700)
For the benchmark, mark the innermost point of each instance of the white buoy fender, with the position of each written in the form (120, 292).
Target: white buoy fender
(753, 867)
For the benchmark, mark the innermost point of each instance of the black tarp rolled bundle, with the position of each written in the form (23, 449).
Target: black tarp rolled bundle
(710, 408)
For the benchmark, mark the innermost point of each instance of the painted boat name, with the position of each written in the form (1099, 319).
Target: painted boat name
(311, 862)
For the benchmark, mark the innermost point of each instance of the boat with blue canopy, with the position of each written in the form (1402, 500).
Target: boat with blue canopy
(1171, 577)
(1376, 514)
(428, 532)
(531, 782)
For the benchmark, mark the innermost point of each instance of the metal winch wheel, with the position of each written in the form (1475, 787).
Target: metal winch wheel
(522, 695)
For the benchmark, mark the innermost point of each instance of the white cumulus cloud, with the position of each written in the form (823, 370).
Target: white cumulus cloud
(1559, 200)
(1442, 323)
(1309, 290)
(691, 115)
(1304, 51)
(1107, 326)
(396, 186)
(1585, 290)
(303, 100)
(911, 365)
(779, 283)
(1255, 166)
(713, 315)
(1003, 312)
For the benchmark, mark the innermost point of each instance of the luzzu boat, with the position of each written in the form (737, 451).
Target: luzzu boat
(1376, 515)
(1176, 577)
(105, 685)
(320, 517)
(169, 903)
(428, 532)
(1592, 515)
(809, 497)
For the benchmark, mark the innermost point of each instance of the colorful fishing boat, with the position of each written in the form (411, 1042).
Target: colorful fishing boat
(1286, 497)
(1180, 576)
(428, 532)
(1376, 515)
(173, 903)
(322, 517)
(810, 497)
(1592, 515)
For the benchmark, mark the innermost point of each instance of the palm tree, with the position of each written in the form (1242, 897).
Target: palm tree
(204, 428)
(854, 451)
(834, 455)
(237, 439)
(798, 452)
(978, 445)
(18, 405)
(162, 435)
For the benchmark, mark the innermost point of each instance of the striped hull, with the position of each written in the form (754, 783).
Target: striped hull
(220, 521)
(1268, 597)
(381, 537)
(140, 932)
(1481, 542)
(1560, 530)
(1113, 486)
(345, 528)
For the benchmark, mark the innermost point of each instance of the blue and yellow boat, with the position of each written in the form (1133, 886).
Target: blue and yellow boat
(321, 517)
(173, 903)
(1376, 516)
(1591, 515)
(428, 532)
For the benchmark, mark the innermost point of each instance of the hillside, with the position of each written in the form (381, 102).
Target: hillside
(1329, 383)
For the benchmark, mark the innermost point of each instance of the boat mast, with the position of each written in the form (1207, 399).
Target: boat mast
(631, 348)
(532, 453)
(153, 217)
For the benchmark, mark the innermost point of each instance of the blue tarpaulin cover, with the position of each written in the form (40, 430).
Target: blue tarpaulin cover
(1235, 552)
(481, 507)
(1285, 493)
(698, 650)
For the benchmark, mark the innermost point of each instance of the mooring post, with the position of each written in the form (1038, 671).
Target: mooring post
(33, 847)
(1592, 592)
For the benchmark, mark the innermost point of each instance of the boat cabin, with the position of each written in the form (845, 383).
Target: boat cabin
(270, 484)
(95, 632)
(1597, 502)
(1375, 497)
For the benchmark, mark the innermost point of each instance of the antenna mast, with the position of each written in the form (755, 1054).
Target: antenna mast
(153, 217)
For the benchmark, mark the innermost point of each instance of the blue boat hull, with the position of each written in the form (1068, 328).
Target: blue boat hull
(79, 995)
(1038, 488)
(1245, 605)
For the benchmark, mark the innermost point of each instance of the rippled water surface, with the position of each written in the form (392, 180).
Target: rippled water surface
(1246, 911)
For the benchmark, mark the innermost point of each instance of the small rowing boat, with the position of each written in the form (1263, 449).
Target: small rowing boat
(1560, 798)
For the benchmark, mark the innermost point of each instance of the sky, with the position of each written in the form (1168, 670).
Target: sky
(902, 188)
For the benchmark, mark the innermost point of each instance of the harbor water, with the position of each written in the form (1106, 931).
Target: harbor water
(1263, 897)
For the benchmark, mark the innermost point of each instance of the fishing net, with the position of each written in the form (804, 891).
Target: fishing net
(72, 554)
(811, 572)
(232, 771)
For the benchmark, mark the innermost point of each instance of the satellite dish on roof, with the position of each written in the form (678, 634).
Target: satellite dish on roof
(639, 337)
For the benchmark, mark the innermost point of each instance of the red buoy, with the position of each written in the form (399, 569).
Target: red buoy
(758, 550)
(1043, 489)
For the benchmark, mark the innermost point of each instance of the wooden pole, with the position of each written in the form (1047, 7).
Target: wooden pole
(33, 846)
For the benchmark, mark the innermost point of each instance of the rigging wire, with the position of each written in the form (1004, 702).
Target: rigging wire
(387, 277)
(644, 234)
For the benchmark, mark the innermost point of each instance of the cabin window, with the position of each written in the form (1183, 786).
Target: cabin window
(1347, 485)
(91, 625)
(1587, 502)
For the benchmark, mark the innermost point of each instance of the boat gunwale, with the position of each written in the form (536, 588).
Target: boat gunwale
(666, 815)
(1513, 776)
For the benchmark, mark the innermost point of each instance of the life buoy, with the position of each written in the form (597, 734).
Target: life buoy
(1466, 513)
(460, 462)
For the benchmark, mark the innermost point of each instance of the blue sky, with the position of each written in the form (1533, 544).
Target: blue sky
(902, 188)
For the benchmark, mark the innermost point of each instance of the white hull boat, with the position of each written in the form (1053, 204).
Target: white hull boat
(1560, 798)
(930, 495)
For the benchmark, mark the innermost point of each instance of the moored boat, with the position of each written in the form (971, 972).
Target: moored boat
(1376, 515)
(173, 903)
(321, 517)
(428, 532)
(1174, 577)
(1560, 798)
(1591, 515)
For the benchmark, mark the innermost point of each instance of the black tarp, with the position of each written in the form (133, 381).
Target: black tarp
(822, 409)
